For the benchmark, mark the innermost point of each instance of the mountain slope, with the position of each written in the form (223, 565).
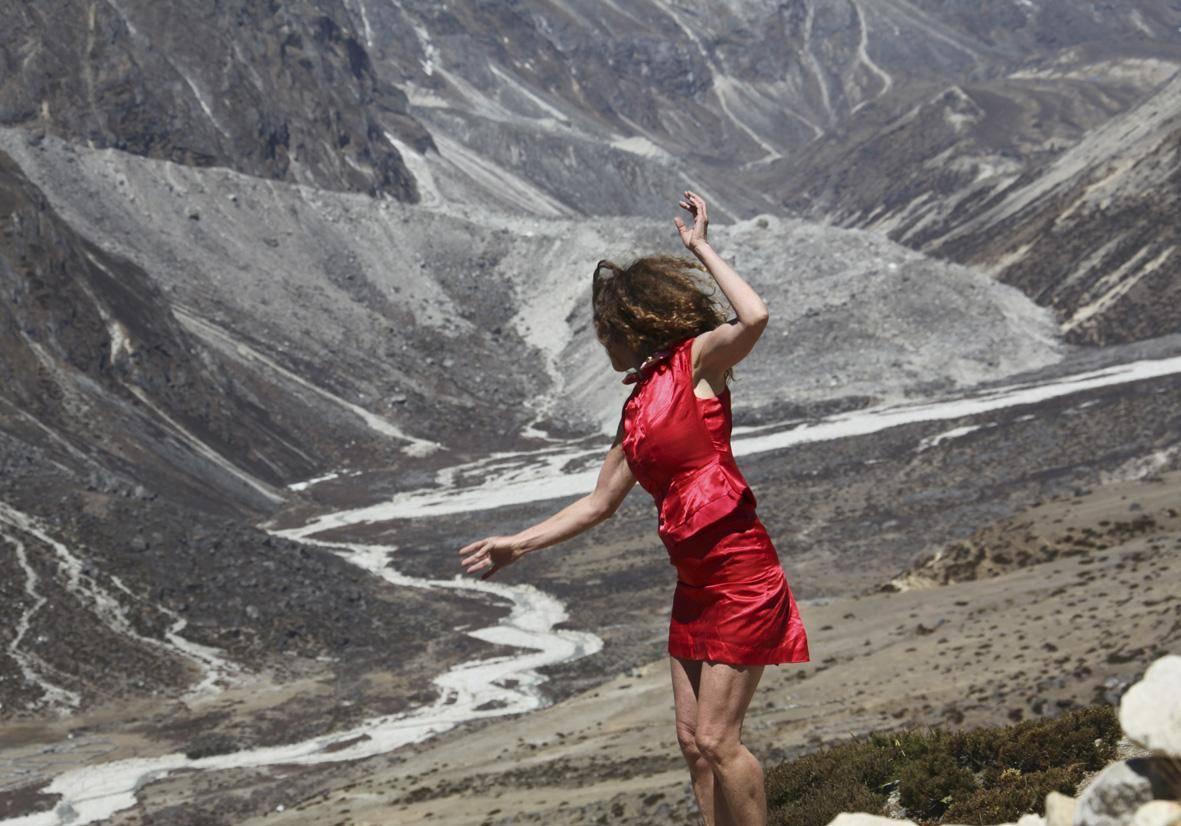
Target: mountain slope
(1089, 234)
(284, 91)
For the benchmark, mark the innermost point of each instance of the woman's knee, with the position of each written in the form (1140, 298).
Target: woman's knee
(687, 739)
(717, 745)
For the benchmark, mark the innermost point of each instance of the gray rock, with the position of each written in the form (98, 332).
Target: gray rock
(1031, 820)
(1122, 788)
(1060, 809)
(1158, 813)
(862, 819)
(241, 85)
(1150, 711)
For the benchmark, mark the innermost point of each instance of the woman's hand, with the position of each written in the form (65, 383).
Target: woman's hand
(494, 551)
(693, 237)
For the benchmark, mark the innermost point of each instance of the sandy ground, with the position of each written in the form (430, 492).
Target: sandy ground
(1024, 643)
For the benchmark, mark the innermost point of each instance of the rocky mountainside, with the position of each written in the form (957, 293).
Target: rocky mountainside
(99, 370)
(130, 454)
(729, 94)
(277, 293)
(916, 119)
(281, 90)
(1078, 228)
(1087, 234)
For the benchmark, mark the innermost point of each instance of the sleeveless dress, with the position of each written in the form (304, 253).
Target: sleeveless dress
(732, 601)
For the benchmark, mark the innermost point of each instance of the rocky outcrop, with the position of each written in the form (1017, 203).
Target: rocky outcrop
(283, 91)
(1122, 794)
(1150, 712)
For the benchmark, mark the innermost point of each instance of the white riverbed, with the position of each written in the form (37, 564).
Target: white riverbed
(479, 688)
(515, 478)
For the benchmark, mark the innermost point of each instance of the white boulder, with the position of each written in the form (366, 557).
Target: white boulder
(1150, 711)
(1121, 789)
(1060, 809)
(862, 819)
(1158, 813)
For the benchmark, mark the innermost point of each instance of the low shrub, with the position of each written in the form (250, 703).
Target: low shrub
(928, 785)
(1013, 796)
(980, 776)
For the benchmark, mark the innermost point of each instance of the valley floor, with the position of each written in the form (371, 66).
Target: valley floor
(1028, 642)
(1063, 518)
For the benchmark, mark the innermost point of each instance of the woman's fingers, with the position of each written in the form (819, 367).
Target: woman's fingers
(479, 556)
(471, 546)
(473, 552)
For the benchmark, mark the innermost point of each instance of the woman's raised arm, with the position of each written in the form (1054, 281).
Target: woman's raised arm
(614, 482)
(719, 349)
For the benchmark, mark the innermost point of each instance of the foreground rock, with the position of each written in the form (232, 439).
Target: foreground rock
(1150, 713)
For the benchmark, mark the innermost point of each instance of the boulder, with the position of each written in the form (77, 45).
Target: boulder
(1031, 820)
(1150, 711)
(1158, 813)
(1060, 809)
(1122, 788)
(862, 819)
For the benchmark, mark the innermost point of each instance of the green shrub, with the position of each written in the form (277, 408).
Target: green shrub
(982, 776)
(931, 783)
(1013, 796)
(1087, 736)
(815, 788)
(820, 807)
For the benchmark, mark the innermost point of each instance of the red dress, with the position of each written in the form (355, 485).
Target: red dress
(732, 601)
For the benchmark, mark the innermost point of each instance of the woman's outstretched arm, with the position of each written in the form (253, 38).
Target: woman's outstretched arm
(614, 482)
(728, 344)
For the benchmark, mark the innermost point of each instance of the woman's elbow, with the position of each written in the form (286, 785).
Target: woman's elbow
(601, 508)
(756, 322)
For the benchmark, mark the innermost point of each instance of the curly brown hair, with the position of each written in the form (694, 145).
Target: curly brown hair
(654, 301)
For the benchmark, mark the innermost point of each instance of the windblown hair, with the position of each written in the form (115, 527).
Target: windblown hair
(654, 301)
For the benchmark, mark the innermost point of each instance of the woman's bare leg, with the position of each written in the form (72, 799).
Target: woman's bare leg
(723, 695)
(686, 675)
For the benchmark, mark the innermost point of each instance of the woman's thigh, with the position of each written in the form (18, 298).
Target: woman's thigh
(723, 696)
(686, 676)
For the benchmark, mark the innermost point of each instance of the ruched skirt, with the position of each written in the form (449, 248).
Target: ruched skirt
(732, 602)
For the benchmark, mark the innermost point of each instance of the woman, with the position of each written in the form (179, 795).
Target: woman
(733, 612)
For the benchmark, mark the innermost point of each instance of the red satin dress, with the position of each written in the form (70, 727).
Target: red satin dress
(732, 602)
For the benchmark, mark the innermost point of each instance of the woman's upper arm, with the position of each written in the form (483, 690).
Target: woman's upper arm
(615, 476)
(719, 349)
